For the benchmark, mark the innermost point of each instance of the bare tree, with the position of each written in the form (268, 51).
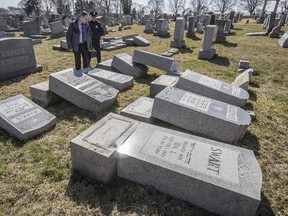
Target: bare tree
(175, 6)
(184, 7)
(199, 5)
(223, 5)
(157, 5)
(250, 5)
(284, 6)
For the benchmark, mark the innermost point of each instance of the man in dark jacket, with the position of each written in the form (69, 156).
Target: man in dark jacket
(79, 41)
(97, 32)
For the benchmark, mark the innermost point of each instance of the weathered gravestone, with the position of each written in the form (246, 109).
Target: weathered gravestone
(191, 26)
(116, 80)
(140, 109)
(223, 179)
(17, 58)
(41, 94)
(162, 28)
(207, 52)
(141, 41)
(82, 90)
(283, 41)
(231, 17)
(148, 27)
(275, 31)
(207, 20)
(242, 80)
(220, 37)
(212, 88)
(199, 28)
(94, 152)
(24, 119)
(161, 83)
(57, 29)
(31, 28)
(123, 63)
(3, 24)
(178, 41)
(201, 115)
(154, 60)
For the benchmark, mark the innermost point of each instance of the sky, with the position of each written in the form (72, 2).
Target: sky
(6, 3)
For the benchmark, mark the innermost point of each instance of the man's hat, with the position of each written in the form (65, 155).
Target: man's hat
(93, 14)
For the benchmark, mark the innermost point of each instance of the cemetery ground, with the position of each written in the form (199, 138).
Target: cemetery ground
(36, 177)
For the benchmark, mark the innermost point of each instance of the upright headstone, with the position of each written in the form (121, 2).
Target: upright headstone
(140, 110)
(220, 37)
(276, 31)
(227, 27)
(162, 28)
(154, 60)
(57, 29)
(124, 64)
(271, 22)
(31, 28)
(201, 115)
(17, 58)
(148, 27)
(207, 20)
(283, 41)
(3, 24)
(199, 27)
(178, 41)
(116, 80)
(94, 152)
(223, 179)
(82, 90)
(213, 19)
(191, 26)
(231, 17)
(207, 52)
(161, 83)
(212, 88)
(24, 119)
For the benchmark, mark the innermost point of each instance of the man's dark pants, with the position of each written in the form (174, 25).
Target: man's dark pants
(83, 50)
(96, 46)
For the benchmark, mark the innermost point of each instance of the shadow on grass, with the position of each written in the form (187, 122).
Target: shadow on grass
(222, 61)
(5, 137)
(252, 95)
(11, 81)
(127, 197)
(254, 85)
(147, 79)
(184, 50)
(248, 106)
(195, 38)
(232, 34)
(227, 44)
(264, 208)
(250, 141)
(237, 29)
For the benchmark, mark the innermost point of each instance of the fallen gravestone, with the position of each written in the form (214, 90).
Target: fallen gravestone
(94, 152)
(140, 110)
(283, 41)
(154, 60)
(116, 80)
(124, 63)
(24, 119)
(242, 80)
(106, 65)
(212, 88)
(41, 94)
(140, 41)
(201, 115)
(82, 90)
(243, 65)
(161, 83)
(223, 179)
(17, 58)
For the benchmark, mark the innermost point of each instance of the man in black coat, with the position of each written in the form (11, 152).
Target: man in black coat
(79, 40)
(97, 32)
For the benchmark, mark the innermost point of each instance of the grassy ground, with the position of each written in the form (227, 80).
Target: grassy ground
(36, 177)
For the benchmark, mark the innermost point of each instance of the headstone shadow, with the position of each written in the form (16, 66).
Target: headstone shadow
(264, 208)
(233, 33)
(6, 137)
(254, 85)
(9, 82)
(248, 106)
(253, 95)
(228, 44)
(147, 79)
(237, 28)
(222, 61)
(184, 50)
(196, 38)
(250, 141)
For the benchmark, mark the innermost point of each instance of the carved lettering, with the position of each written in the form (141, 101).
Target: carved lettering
(214, 161)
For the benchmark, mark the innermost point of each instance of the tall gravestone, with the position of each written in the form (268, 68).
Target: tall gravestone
(231, 17)
(191, 26)
(207, 20)
(148, 27)
(31, 28)
(24, 119)
(213, 19)
(201, 115)
(17, 58)
(207, 52)
(220, 37)
(223, 179)
(178, 41)
(82, 90)
(271, 22)
(162, 28)
(227, 27)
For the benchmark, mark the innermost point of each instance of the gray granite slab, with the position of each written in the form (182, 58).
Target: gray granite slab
(140, 109)
(17, 58)
(283, 41)
(161, 83)
(24, 119)
(94, 151)
(82, 90)
(201, 115)
(167, 54)
(154, 60)
(106, 65)
(124, 64)
(213, 88)
(141, 41)
(31, 28)
(223, 179)
(57, 29)
(41, 94)
(208, 52)
(116, 80)
(179, 33)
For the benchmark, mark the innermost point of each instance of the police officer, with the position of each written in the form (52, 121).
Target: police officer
(97, 32)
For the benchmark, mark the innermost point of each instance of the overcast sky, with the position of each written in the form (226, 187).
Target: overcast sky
(6, 3)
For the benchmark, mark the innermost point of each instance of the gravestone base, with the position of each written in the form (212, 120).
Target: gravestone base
(94, 152)
(162, 34)
(149, 31)
(23, 72)
(41, 94)
(167, 54)
(177, 44)
(206, 55)
(190, 34)
(257, 34)
(38, 37)
(106, 65)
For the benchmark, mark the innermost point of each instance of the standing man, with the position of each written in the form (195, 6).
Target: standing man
(97, 32)
(78, 39)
